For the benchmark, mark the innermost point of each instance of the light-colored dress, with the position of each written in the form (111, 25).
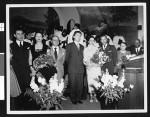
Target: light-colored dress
(14, 86)
(92, 71)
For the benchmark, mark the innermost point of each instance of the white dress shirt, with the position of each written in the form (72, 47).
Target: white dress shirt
(104, 46)
(77, 44)
(18, 42)
(57, 49)
(138, 49)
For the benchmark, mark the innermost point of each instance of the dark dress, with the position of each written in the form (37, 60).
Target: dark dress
(37, 52)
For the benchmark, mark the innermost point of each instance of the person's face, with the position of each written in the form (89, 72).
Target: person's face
(123, 46)
(29, 36)
(104, 40)
(19, 35)
(33, 34)
(91, 41)
(77, 37)
(75, 27)
(55, 41)
(38, 37)
(137, 43)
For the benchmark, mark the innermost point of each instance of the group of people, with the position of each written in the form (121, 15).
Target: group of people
(73, 55)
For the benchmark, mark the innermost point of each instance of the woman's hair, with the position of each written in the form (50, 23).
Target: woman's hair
(123, 43)
(64, 33)
(90, 37)
(34, 40)
(75, 34)
(77, 25)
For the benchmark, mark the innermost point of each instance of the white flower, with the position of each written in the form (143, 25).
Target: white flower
(115, 76)
(103, 87)
(131, 86)
(126, 89)
(60, 88)
(101, 54)
(120, 84)
(42, 80)
(97, 85)
(33, 85)
(114, 83)
(128, 57)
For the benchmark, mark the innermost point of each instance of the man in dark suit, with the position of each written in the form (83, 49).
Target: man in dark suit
(74, 59)
(20, 64)
(110, 51)
(136, 48)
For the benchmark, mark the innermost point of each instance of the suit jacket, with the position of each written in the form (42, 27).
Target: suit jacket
(59, 62)
(20, 56)
(110, 51)
(133, 50)
(20, 63)
(74, 58)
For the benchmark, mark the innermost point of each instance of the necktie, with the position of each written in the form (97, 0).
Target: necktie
(104, 46)
(78, 46)
(137, 51)
(21, 45)
(55, 53)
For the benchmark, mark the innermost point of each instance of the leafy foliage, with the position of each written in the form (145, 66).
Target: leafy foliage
(123, 13)
(112, 88)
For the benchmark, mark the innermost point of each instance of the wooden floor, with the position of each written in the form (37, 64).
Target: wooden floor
(87, 105)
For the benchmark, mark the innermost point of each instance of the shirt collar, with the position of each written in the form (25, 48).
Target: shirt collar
(18, 42)
(55, 47)
(138, 48)
(105, 45)
(77, 43)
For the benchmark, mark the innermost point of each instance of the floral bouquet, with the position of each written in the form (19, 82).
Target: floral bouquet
(47, 95)
(46, 90)
(124, 60)
(99, 57)
(111, 87)
(42, 61)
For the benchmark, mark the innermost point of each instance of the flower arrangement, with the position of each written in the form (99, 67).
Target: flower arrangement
(125, 59)
(42, 61)
(111, 87)
(99, 57)
(45, 88)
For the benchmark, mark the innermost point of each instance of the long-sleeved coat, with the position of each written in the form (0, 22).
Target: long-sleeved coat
(112, 53)
(59, 61)
(74, 58)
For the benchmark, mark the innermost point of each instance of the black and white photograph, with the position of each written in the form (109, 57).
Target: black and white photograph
(76, 58)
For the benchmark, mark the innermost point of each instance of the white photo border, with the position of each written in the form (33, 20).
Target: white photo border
(8, 6)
